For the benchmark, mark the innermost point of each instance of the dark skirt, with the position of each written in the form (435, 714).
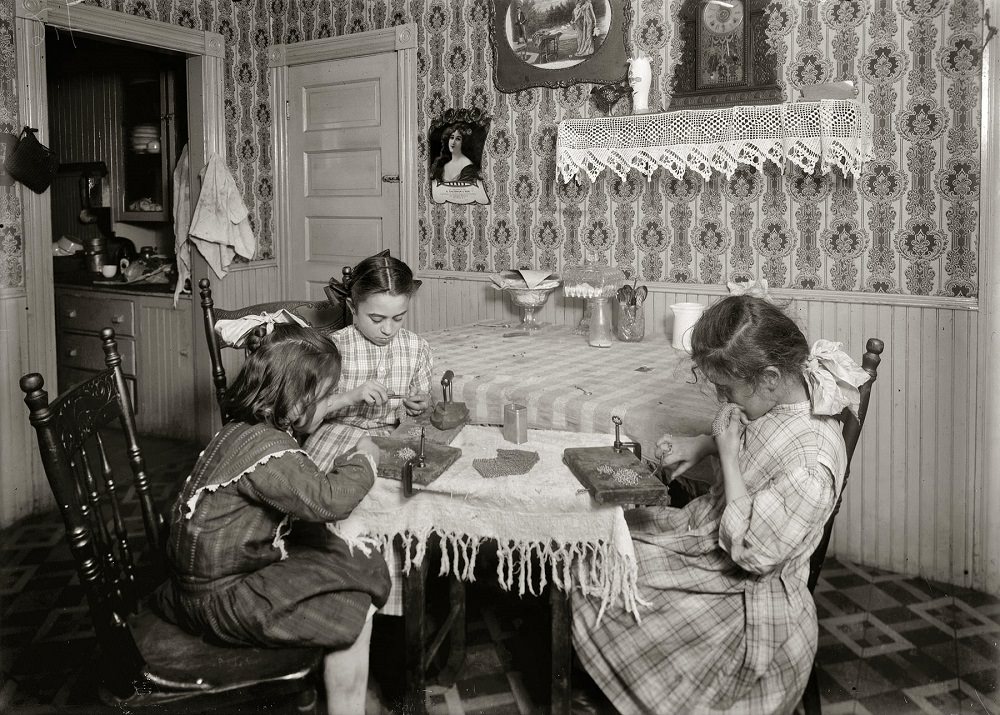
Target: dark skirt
(318, 596)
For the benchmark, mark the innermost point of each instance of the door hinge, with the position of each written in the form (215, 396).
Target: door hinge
(288, 109)
(390, 178)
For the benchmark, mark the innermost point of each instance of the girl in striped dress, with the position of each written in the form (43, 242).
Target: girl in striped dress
(730, 625)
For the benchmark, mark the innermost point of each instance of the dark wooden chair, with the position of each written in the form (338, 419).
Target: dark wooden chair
(852, 433)
(326, 316)
(145, 661)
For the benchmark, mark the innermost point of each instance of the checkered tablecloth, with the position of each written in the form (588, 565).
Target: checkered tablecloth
(568, 385)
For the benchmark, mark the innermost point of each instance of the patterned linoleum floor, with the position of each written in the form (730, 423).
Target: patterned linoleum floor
(888, 643)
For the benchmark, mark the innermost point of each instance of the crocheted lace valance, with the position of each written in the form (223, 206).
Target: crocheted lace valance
(826, 133)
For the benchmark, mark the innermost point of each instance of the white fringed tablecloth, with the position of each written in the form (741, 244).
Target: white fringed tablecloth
(827, 133)
(542, 523)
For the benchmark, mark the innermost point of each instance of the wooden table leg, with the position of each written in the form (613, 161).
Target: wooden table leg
(414, 605)
(452, 631)
(562, 653)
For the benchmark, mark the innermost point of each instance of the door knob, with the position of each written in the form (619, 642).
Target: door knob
(71, 313)
(72, 352)
(390, 178)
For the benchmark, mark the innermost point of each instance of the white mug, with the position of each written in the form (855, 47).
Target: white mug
(685, 317)
(109, 271)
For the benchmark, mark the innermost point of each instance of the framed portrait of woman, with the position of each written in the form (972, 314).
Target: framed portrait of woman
(556, 43)
(455, 148)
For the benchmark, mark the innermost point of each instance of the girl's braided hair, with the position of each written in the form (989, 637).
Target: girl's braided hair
(380, 274)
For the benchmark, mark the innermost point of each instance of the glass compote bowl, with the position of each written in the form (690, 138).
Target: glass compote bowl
(530, 300)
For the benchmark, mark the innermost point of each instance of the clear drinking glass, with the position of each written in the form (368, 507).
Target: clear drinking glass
(600, 323)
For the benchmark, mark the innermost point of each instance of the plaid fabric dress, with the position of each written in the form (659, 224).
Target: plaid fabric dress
(234, 574)
(404, 365)
(731, 626)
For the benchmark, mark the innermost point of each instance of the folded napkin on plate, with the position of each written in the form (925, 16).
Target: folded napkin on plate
(235, 332)
(525, 279)
(507, 463)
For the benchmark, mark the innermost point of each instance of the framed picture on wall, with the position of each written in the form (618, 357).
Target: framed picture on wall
(556, 43)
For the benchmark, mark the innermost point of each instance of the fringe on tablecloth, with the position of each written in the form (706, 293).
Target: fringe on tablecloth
(596, 569)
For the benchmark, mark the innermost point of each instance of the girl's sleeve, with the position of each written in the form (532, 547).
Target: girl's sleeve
(293, 484)
(760, 531)
(423, 366)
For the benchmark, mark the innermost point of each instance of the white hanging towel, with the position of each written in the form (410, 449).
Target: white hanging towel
(182, 220)
(220, 227)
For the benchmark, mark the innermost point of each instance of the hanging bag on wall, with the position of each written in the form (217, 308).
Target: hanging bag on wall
(31, 162)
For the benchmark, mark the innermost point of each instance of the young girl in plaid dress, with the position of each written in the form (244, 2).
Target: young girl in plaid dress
(386, 370)
(730, 625)
(242, 571)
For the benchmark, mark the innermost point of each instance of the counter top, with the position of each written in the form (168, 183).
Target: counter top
(83, 281)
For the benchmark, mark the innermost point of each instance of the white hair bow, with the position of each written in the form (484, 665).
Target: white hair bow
(833, 378)
(235, 332)
(757, 289)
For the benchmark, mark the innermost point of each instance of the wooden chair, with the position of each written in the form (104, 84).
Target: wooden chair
(145, 661)
(326, 316)
(852, 433)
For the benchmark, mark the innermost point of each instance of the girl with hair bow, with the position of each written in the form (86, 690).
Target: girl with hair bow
(731, 626)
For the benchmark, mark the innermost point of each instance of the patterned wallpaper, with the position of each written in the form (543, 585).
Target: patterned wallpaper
(909, 225)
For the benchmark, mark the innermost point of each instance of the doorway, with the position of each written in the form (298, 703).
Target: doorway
(345, 176)
(202, 55)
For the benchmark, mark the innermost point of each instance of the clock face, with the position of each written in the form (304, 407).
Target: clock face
(722, 17)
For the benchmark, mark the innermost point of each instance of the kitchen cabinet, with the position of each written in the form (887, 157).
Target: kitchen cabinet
(149, 146)
(154, 341)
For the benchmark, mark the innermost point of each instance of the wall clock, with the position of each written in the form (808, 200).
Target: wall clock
(724, 57)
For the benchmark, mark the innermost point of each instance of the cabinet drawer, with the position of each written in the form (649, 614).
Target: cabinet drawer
(84, 312)
(86, 352)
(71, 377)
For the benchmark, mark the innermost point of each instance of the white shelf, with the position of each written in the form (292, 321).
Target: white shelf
(823, 134)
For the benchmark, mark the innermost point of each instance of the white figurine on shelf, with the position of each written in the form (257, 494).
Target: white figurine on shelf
(640, 76)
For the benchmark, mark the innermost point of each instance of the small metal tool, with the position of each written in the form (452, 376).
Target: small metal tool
(417, 460)
(619, 446)
(448, 414)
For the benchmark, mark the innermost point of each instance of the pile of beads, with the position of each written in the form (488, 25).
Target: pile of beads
(406, 453)
(622, 475)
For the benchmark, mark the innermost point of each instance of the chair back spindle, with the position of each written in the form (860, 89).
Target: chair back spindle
(68, 439)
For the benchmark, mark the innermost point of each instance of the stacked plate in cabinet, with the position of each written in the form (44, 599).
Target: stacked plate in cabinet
(145, 139)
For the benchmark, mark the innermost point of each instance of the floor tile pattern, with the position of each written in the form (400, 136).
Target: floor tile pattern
(887, 643)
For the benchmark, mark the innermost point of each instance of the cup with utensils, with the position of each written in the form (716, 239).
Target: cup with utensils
(631, 316)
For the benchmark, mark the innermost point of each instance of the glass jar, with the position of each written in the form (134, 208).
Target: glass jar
(631, 323)
(591, 281)
(600, 323)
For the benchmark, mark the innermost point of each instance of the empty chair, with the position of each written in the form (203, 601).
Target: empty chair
(325, 316)
(144, 660)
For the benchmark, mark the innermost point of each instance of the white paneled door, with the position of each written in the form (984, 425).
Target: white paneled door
(343, 167)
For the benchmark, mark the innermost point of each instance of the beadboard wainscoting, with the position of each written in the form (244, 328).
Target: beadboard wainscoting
(18, 451)
(911, 503)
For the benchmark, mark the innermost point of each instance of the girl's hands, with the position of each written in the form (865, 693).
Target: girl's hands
(679, 454)
(729, 436)
(416, 403)
(372, 393)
